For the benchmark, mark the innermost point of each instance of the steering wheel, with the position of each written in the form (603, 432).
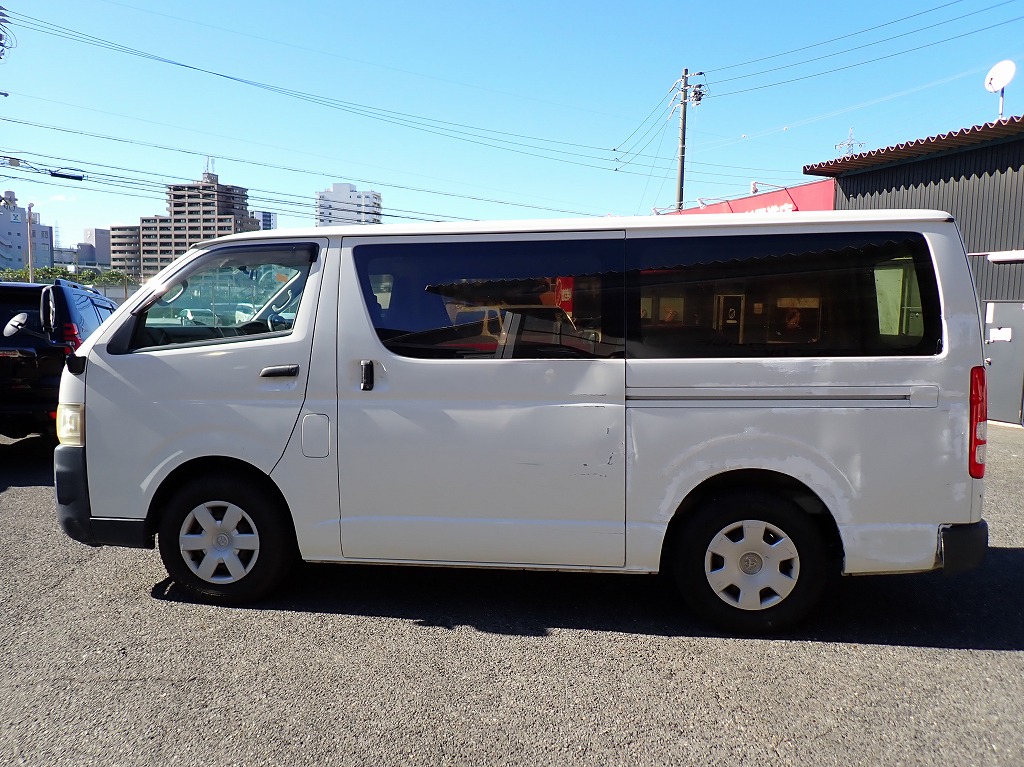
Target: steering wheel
(276, 322)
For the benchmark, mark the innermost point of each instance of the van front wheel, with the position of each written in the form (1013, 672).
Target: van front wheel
(224, 540)
(751, 563)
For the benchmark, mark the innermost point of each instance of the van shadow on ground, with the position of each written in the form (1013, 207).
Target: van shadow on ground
(979, 610)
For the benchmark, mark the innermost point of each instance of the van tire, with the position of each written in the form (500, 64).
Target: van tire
(750, 562)
(239, 545)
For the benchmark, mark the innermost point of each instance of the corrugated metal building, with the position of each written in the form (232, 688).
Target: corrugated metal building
(977, 174)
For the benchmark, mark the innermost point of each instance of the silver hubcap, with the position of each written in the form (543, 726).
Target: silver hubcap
(219, 542)
(752, 565)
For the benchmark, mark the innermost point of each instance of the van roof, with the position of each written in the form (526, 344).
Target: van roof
(605, 223)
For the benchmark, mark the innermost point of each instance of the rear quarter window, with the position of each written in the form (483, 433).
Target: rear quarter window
(836, 294)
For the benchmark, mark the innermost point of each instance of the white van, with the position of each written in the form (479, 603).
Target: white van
(750, 403)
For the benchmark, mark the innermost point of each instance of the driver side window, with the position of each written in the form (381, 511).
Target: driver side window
(230, 294)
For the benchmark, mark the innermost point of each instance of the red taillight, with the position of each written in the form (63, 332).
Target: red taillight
(979, 423)
(71, 338)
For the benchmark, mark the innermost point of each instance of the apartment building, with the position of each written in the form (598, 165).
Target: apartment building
(199, 211)
(344, 204)
(125, 254)
(267, 219)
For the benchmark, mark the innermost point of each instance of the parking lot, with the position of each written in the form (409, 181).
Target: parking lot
(105, 663)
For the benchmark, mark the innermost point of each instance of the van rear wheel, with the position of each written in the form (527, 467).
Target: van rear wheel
(751, 563)
(224, 540)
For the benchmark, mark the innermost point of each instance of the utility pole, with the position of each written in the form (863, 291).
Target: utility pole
(31, 270)
(687, 93)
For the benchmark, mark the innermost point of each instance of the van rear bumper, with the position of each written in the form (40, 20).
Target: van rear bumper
(74, 513)
(963, 546)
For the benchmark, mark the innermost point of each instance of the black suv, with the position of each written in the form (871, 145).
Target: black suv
(33, 348)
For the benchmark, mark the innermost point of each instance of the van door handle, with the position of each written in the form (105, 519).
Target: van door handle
(366, 375)
(280, 371)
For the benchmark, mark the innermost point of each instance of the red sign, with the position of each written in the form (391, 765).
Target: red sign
(563, 293)
(818, 195)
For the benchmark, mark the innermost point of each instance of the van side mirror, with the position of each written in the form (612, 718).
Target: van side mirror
(75, 364)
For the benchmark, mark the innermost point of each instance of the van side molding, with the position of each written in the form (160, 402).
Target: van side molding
(787, 396)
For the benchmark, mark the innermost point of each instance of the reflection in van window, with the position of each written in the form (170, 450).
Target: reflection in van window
(234, 294)
(496, 299)
(782, 295)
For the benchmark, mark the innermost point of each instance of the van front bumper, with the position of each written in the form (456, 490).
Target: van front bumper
(74, 513)
(963, 546)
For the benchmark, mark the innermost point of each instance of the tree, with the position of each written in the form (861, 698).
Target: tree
(14, 275)
(111, 278)
(114, 278)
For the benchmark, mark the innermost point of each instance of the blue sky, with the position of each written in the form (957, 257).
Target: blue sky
(474, 110)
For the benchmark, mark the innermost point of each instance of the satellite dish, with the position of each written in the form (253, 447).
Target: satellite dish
(999, 76)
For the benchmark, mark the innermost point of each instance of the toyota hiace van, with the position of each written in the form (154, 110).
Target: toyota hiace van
(750, 404)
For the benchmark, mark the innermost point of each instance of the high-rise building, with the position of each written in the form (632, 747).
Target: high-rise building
(14, 234)
(344, 204)
(266, 219)
(199, 211)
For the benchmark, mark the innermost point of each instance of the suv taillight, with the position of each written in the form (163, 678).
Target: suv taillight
(979, 423)
(71, 337)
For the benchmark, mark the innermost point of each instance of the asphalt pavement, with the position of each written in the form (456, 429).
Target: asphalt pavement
(106, 663)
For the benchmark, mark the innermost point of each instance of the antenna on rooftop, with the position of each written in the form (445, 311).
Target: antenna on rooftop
(998, 78)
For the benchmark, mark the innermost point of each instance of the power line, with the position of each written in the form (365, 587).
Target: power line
(272, 166)
(471, 134)
(869, 61)
(453, 130)
(542, 148)
(298, 204)
(659, 108)
(866, 45)
(835, 39)
(334, 54)
(232, 138)
(162, 183)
